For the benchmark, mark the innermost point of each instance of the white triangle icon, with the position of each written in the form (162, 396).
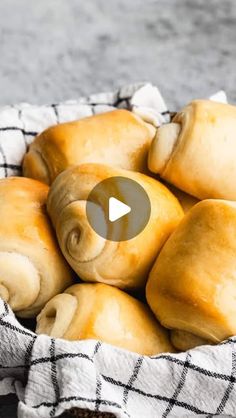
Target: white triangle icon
(117, 209)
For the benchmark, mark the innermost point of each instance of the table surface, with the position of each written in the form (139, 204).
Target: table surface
(58, 49)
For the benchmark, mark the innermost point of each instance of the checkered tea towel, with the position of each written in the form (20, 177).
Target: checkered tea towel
(50, 376)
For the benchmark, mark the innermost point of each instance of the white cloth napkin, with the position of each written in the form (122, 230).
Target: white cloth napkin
(50, 375)
(21, 123)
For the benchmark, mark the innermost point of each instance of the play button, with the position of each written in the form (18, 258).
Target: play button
(118, 208)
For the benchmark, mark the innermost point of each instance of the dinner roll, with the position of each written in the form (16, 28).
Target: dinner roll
(197, 151)
(192, 285)
(122, 263)
(32, 268)
(119, 138)
(184, 341)
(102, 312)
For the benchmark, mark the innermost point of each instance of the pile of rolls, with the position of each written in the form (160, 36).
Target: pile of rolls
(170, 288)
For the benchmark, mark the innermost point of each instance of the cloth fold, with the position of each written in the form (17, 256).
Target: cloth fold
(21, 123)
(50, 376)
(58, 375)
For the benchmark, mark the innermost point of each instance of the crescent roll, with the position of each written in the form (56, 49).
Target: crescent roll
(94, 258)
(119, 138)
(197, 151)
(102, 312)
(32, 268)
(192, 285)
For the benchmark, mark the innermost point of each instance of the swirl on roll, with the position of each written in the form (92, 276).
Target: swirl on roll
(124, 264)
(105, 313)
(196, 152)
(32, 268)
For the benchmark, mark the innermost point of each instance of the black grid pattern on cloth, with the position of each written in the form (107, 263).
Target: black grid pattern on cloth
(22, 132)
(54, 107)
(28, 353)
(167, 400)
(132, 385)
(98, 379)
(54, 379)
(229, 388)
(132, 379)
(178, 388)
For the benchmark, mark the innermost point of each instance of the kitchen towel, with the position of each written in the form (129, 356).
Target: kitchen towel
(50, 376)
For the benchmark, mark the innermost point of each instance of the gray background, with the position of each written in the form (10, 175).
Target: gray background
(51, 50)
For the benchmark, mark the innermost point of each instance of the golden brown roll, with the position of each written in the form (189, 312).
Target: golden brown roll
(32, 268)
(197, 151)
(118, 138)
(124, 264)
(102, 312)
(184, 341)
(192, 285)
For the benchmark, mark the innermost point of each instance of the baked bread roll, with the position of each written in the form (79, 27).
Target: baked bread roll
(192, 285)
(102, 312)
(119, 138)
(32, 268)
(124, 264)
(184, 341)
(197, 151)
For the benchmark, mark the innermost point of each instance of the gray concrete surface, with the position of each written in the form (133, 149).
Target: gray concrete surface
(52, 50)
(58, 49)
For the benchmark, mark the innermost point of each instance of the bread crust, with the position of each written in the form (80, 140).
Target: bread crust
(118, 138)
(124, 264)
(107, 314)
(32, 268)
(192, 285)
(202, 159)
